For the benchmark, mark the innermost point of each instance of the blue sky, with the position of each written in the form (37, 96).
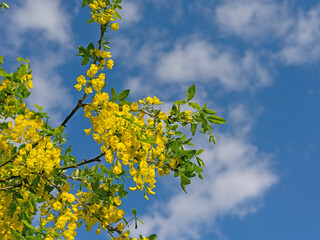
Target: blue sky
(255, 62)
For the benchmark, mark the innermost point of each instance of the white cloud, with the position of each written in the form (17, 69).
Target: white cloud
(131, 13)
(198, 60)
(44, 16)
(302, 44)
(295, 34)
(253, 19)
(237, 176)
(49, 90)
(137, 87)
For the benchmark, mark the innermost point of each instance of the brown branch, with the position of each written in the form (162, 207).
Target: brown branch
(77, 179)
(8, 178)
(10, 159)
(9, 187)
(80, 102)
(74, 110)
(85, 161)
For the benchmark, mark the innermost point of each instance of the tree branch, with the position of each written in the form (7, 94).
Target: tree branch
(8, 178)
(80, 102)
(85, 161)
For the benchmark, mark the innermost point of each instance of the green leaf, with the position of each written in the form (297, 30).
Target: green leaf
(194, 105)
(2, 71)
(124, 94)
(212, 138)
(187, 153)
(29, 226)
(181, 102)
(193, 128)
(48, 188)
(35, 182)
(200, 162)
(175, 146)
(134, 212)
(208, 111)
(6, 5)
(4, 125)
(185, 180)
(68, 150)
(90, 47)
(117, 15)
(191, 92)
(102, 193)
(23, 90)
(113, 93)
(20, 59)
(84, 3)
(199, 151)
(16, 234)
(216, 120)
(122, 193)
(90, 20)
(204, 126)
(152, 237)
(95, 184)
(149, 140)
(39, 107)
(85, 61)
(82, 51)
(200, 176)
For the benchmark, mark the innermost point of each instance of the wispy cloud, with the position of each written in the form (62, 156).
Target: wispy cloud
(294, 33)
(199, 60)
(253, 18)
(44, 16)
(302, 44)
(131, 13)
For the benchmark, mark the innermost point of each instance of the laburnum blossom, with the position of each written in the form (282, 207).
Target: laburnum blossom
(114, 26)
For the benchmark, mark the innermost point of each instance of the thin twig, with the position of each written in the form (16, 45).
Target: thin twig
(8, 178)
(9, 187)
(85, 161)
(10, 159)
(80, 102)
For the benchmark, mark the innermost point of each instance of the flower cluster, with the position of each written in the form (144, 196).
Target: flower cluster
(102, 14)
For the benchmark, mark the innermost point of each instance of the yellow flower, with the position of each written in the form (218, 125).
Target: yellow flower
(150, 122)
(29, 84)
(156, 101)
(126, 233)
(57, 206)
(134, 106)
(88, 89)
(81, 80)
(105, 54)
(92, 71)
(114, 26)
(78, 87)
(87, 131)
(120, 227)
(110, 63)
(149, 100)
(163, 116)
(117, 168)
